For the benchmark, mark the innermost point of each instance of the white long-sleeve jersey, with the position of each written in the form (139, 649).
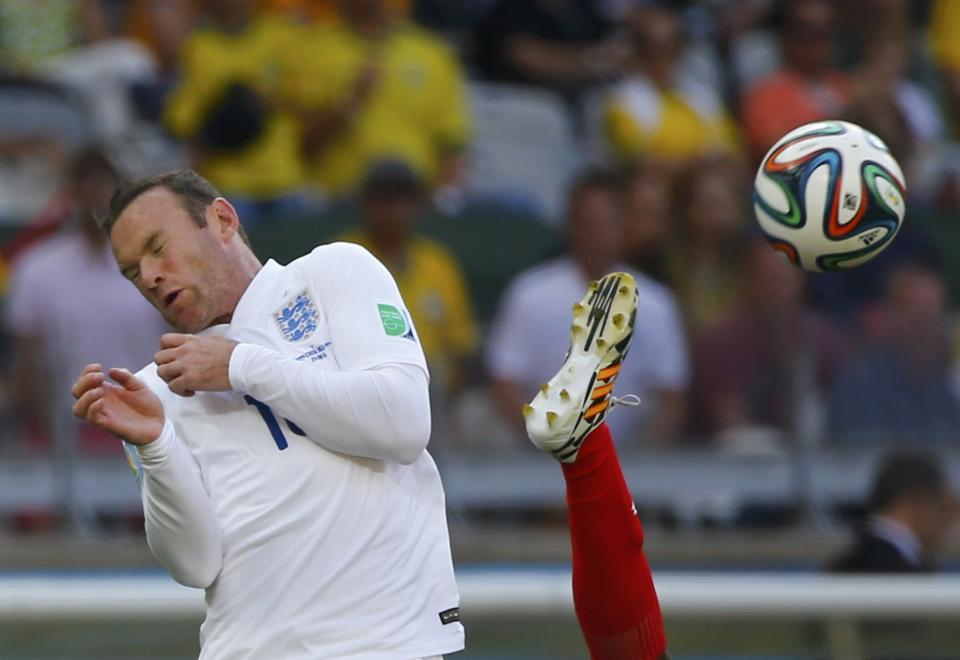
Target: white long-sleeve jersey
(303, 500)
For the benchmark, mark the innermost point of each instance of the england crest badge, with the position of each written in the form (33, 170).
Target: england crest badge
(298, 319)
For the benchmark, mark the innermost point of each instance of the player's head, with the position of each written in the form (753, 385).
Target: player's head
(911, 488)
(595, 220)
(392, 197)
(181, 244)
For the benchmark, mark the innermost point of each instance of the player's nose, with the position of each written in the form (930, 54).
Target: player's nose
(151, 275)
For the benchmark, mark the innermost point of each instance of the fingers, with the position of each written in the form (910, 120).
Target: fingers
(164, 356)
(82, 407)
(126, 379)
(96, 414)
(172, 374)
(173, 339)
(179, 386)
(87, 380)
(170, 371)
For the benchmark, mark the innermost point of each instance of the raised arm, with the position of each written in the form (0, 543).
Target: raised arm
(378, 404)
(181, 526)
(382, 412)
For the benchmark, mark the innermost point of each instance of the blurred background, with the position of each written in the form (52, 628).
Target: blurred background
(497, 155)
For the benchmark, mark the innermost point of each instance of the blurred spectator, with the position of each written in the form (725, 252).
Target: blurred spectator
(943, 174)
(226, 105)
(900, 111)
(323, 11)
(944, 40)
(768, 354)
(911, 510)
(31, 33)
(747, 45)
(41, 124)
(162, 27)
(77, 45)
(808, 88)
(374, 86)
(646, 228)
(430, 280)
(898, 386)
(656, 111)
(532, 326)
(563, 45)
(68, 306)
(711, 216)
(102, 74)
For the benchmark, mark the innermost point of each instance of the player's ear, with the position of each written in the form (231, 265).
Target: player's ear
(226, 219)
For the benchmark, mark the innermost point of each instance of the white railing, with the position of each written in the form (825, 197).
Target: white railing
(486, 591)
(837, 602)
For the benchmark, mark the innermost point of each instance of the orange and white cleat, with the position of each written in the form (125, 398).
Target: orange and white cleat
(576, 400)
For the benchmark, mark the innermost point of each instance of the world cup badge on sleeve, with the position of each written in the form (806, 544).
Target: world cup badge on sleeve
(298, 319)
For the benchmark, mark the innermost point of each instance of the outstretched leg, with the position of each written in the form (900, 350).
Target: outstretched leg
(613, 591)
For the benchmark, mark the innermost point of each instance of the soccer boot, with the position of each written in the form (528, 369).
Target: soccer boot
(576, 400)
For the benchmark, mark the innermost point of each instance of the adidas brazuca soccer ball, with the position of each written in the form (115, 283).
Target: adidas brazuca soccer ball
(829, 195)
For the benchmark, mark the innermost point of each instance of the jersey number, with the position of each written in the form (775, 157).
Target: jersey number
(272, 424)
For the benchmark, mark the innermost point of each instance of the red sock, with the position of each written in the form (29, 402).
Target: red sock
(613, 591)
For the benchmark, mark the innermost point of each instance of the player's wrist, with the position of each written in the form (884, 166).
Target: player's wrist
(159, 446)
(236, 366)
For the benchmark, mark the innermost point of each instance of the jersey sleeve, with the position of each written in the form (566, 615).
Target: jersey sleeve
(179, 518)
(377, 405)
(370, 325)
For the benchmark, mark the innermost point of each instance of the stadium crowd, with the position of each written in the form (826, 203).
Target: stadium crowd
(497, 155)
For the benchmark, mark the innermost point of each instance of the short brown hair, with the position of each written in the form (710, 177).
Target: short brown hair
(194, 192)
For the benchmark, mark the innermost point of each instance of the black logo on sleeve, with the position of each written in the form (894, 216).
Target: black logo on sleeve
(450, 616)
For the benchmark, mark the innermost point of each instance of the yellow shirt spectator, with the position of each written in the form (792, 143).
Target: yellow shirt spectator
(433, 287)
(212, 60)
(323, 10)
(674, 124)
(412, 107)
(945, 33)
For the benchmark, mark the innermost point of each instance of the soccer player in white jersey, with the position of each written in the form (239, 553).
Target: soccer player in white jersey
(280, 438)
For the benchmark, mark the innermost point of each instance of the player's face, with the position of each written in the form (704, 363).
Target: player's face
(178, 267)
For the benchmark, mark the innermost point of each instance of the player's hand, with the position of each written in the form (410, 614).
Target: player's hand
(188, 363)
(128, 409)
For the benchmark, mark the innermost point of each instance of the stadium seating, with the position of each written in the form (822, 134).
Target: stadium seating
(523, 150)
